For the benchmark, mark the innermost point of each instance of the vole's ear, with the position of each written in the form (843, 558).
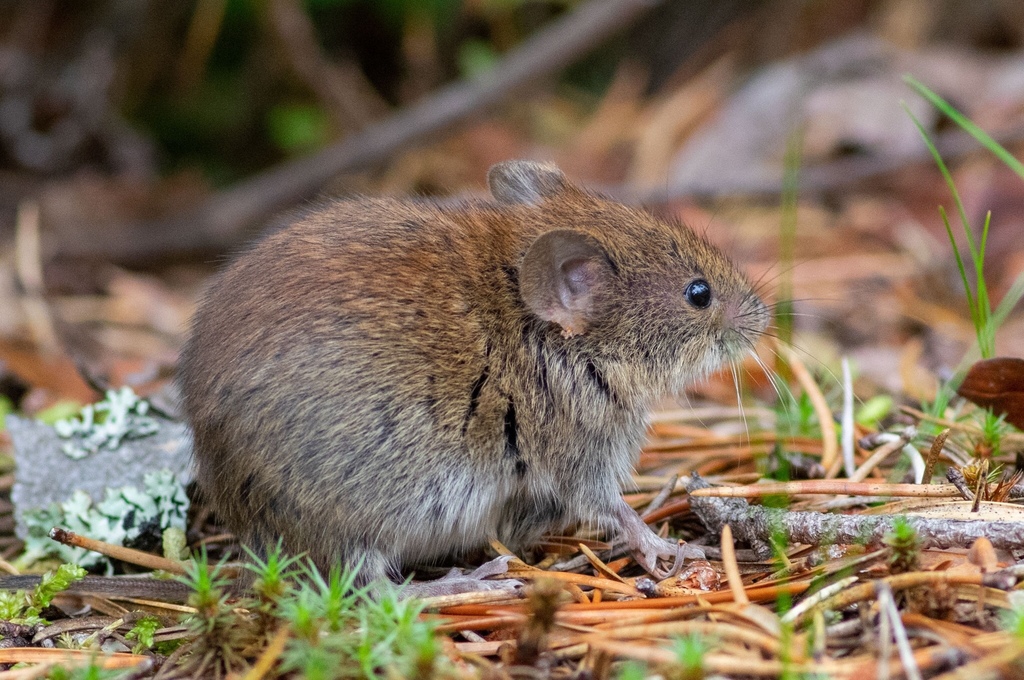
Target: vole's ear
(525, 181)
(560, 277)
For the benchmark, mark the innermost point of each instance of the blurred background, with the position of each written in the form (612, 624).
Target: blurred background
(142, 142)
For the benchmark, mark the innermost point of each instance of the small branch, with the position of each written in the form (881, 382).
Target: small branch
(868, 590)
(883, 452)
(117, 552)
(29, 270)
(827, 177)
(757, 524)
(820, 486)
(732, 569)
(830, 447)
(207, 20)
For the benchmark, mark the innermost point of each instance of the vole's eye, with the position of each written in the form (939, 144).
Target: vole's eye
(698, 294)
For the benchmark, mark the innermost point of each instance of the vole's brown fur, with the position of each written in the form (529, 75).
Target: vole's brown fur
(395, 381)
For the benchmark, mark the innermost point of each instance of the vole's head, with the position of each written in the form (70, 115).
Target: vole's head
(653, 302)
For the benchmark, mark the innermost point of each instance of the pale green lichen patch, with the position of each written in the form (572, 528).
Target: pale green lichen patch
(122, 415)
(119, 519)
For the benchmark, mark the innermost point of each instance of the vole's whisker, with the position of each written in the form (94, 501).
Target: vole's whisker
(771, 375)
(739, 397)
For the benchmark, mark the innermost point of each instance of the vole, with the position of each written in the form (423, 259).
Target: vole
(389, 382)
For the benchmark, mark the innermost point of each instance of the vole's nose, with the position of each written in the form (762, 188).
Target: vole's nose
(748, 315)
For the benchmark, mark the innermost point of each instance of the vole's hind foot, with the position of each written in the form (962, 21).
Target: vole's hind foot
(650, 547)
(455, 582)
(647, 547)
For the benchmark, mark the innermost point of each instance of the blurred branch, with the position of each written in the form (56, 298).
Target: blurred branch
(207, 20)
(29, 270)
(826, 177)
(223, 220)
(343, 89)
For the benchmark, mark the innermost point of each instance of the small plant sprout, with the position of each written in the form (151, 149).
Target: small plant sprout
(690, 652)
(985, 321)
(273, 574)
(142, 633)
(632, 670)
(339, 594)
(25, 607)
(1013, 618)
(873, 410)
(90, 672)
(221, 635)
(795, 416)
(122, 415)
(311, 650)
(904, 545)
(993, 430)
(339, 631)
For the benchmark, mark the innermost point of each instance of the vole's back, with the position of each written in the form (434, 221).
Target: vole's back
(318, 367)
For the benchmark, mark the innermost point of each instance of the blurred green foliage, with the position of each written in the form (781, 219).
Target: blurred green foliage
(245, 108)
(298, 128)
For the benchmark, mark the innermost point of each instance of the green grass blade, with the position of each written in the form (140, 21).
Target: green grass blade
(959, 264)
(986, 332)
(949, 182)
(983, 138)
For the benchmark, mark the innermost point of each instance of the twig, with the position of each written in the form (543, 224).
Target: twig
(829, 486)
(270, 655)
(732, 570)
(29, 267)
(712, 630)
(847, 431)
(75, 657)
(221, 221)
(475, 597)
(757, 524)
(889, 611)
(118, 552)
(957, 479)
(660, 499)
(933, 455)
(600, 566)
(578, 579)
(676, 507)
(826, 177)
(830, 449)
(881, 453)
(811, 601)
(869, 590)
